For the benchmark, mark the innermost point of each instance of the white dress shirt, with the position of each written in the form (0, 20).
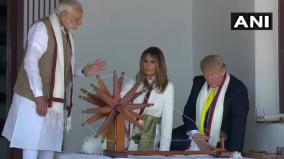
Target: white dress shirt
(193, 132)
(37, 134)
(36, 46)
(163, 106)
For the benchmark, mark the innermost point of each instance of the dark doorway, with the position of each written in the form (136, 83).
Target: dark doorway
(3, 74)
(17, 15)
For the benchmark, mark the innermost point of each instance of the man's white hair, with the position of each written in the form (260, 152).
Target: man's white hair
(67, 5)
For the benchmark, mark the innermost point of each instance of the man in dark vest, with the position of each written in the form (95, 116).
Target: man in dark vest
(217, 107)
(42, 100)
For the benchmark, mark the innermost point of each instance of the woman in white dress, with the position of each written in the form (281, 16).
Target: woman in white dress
(157, 90)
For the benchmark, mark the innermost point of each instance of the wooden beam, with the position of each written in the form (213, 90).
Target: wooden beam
(216, 152)
(15, 12)
(120, 133)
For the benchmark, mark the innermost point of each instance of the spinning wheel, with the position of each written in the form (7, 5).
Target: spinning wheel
(115, 110)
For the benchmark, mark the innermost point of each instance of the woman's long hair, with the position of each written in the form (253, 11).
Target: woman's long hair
(161, 78)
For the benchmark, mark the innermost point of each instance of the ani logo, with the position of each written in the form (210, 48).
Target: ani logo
(251, 21)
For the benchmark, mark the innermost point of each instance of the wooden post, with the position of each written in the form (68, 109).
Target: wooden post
(111, 138)
(117, 134)
(120, 133)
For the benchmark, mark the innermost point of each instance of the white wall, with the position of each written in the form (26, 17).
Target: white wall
(119, 31)
(212, 34)
(266, 136)
(266, 63)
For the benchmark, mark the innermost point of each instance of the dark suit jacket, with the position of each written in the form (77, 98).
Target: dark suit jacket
(236, 106)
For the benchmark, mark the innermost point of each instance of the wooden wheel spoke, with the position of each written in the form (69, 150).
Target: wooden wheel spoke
(102, 110)
(136, 95)
(136, 115)
(87, 93)
(109, 100)
(88, 99)
(130, 112)
(106, 130)
(99, 101)
(131, 119)
(136, 106)
(116, 91)
(96, 101)
(93, 119)
(120, 81)
(108, 121)
(127, 98)
(94, 96)
(103, 86)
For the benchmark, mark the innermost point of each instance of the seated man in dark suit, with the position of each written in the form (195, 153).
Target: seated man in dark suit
(218, 105)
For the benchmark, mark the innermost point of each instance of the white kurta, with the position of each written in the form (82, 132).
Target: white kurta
(163, 105)
(24, 128)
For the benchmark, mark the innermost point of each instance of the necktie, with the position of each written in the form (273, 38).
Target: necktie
(145, 101)
(146, 98)
(205, 109)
